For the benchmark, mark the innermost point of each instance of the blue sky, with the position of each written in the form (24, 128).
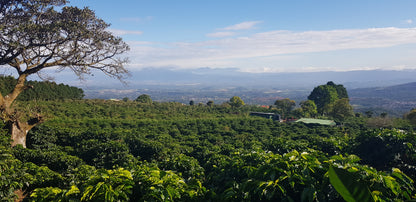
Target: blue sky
(264, 35)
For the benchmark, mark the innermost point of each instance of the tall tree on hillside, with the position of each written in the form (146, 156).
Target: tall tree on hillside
(308, 108)
(341, 90)
(411, 116)
(144, 98)
(210, 103)
(325, 96)
(236, 101)
(42, 34)
(341, 109)
(285, 105)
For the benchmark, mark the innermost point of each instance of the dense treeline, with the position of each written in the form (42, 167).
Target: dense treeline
(97, 150)
(41, 90)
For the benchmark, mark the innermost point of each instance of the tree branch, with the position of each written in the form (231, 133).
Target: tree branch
(19, 88)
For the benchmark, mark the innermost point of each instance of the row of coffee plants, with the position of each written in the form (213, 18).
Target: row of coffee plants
(171, 152)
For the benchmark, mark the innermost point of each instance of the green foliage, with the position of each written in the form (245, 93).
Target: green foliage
(12, 173)
(325, 96)
(285, 105)
(41, 90)
(341, 90)
(308, 108)
(188, 167)
(236, 101)
(210, 103)
(55, 159)
(108, 185)
(46, 194)
(42, 176)
(295, 176)
(348, 185)
(144, 98)
(384, 149)
(341, 109)
(391, 185)
(54, 194)
(175, 152)
(255, 176)
(104, 154)
(153, 184)
(102, 185)
(411, 116)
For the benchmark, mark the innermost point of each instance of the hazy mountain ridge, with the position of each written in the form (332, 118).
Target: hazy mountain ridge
(395, 100)
(403, 92)
(376, 90)
(232, 77)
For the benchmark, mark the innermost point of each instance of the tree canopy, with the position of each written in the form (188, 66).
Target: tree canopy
(285, 105)
(210, 103)
(341, 109)
(411, 116)
(41, 90)
(35, 34)
(236, 101)
(308, 108)
(325, 96)
(144, 98)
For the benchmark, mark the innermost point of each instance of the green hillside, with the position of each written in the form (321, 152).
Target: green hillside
(41, 90)
(97, 150)
(395, 100)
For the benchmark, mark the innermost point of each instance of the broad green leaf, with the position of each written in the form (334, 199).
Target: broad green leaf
(74, 190)
(348, 186)
(86, 193)
(308, 194)
(390, 183)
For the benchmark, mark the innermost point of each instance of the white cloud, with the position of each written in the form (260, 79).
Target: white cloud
(230, 30)
(120, 32)
(220, 34)
(408, 21)
(242, 26)
(261, 49)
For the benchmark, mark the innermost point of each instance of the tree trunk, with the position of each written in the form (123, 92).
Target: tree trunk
(19, 132)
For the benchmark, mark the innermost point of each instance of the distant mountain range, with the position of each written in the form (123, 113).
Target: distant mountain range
(375, 90)
(395, 100)
(232, 77)
(403, 92)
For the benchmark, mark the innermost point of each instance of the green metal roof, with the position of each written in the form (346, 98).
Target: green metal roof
(317, 121)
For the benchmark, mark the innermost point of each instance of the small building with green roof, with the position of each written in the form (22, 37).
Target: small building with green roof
(316, 121)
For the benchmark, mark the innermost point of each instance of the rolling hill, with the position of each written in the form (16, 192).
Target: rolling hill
(395, 100)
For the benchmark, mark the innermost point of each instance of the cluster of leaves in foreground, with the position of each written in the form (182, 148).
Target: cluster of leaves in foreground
(202, 154)
(143, 183)
(240, 176)
(294, 176)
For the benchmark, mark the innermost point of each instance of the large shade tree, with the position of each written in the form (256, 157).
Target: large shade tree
(236, 101)
(41, 34)
(144, 98)
(308, 108)
(285, 105)
(411, 116)
(341, 109)
(324, 96)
